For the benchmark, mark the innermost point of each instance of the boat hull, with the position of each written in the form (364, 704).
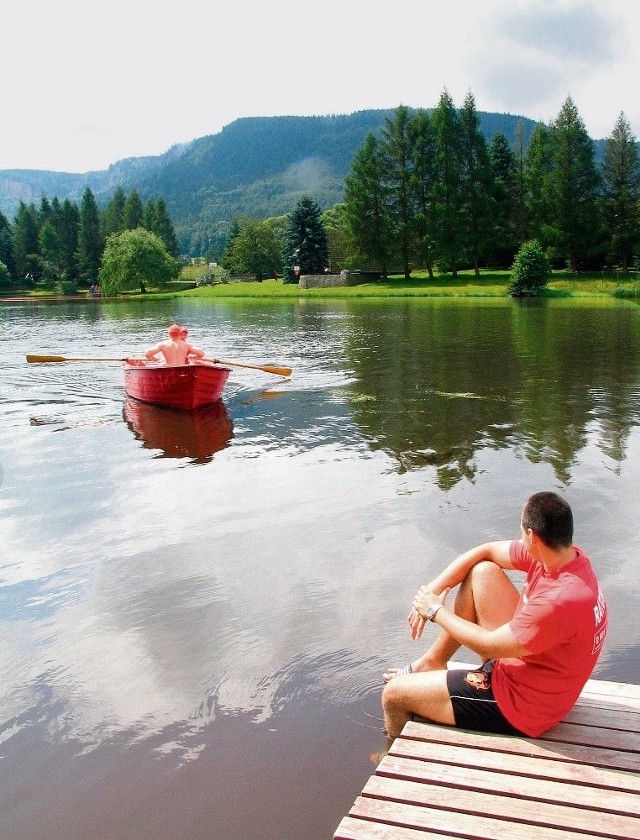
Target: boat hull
(186, 387)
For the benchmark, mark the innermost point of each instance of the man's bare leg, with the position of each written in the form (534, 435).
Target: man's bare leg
(486, 597)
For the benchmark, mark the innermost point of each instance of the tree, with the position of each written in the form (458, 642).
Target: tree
(90, 241)
(5, 277)
(256, 249)
(505, 200)
(156, 219)
(366, 204)
(305, 242)
(113, 214)
(134, 258)
(132, 211)
(477, 207)
(574, 188)
(448, 185)
(422, 188)
(396, 148)
(6, 246)
(68, 231)
(531, 270)
(538, 175)
(25, 240)
(621, 177)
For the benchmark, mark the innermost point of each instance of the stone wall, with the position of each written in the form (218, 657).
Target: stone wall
(324, 281)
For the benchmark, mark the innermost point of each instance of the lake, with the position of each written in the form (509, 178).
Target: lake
(196, 611)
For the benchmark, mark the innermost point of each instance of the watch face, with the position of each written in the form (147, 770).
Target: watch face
(430, 613)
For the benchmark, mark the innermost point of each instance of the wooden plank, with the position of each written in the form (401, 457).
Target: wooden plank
(518, 765)
(512, 809)
(356, 829)
(530, 786)
(507, 744)
(453, 824)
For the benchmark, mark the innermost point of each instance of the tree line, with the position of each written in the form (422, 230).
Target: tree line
(61, 242)
(431, 192)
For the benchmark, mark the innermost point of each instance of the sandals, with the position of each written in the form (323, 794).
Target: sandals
(398, 672)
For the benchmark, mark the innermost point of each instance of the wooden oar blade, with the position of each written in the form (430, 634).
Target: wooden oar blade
(33, 358)
(277, 369)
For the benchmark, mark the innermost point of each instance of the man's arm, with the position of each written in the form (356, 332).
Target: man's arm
(488, 644)
(458, 569)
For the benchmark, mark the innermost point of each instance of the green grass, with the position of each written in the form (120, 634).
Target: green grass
(467, 284)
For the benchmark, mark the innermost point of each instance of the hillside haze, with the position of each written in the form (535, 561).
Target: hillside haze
(255, 166)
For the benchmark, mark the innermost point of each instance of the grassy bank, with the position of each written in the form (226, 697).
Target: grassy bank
(467, 284)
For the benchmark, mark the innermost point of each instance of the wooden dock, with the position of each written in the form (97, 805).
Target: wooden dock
(581, 780)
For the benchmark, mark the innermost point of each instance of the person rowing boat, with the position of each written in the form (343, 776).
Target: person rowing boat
(176, 350)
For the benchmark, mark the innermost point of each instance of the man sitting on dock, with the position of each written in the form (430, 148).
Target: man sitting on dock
(177, 350)
(538, 647)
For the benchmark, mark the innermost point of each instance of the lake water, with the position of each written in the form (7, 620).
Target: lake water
(196, 611)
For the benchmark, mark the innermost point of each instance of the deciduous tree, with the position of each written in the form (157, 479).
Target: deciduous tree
(134, 258)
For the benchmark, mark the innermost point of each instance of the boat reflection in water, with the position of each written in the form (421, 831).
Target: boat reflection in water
(196, 434)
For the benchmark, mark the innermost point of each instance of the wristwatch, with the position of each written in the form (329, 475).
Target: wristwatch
(431, 612)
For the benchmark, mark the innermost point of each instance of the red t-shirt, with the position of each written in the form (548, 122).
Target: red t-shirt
(561, 619)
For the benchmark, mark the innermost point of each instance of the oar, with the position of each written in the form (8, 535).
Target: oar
(279, 371)
(33, 358)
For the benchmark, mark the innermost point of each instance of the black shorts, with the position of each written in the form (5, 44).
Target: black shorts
(474, 706)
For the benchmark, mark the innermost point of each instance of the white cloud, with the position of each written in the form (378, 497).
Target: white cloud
(84, 93)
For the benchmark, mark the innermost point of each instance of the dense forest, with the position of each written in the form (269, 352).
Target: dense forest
(439, 189)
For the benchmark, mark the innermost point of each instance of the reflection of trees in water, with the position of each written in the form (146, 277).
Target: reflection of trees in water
(447, 379)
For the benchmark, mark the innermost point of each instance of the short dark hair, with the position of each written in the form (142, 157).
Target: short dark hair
(550, 517)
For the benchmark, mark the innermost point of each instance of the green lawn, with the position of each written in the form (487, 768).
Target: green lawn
(467, 284)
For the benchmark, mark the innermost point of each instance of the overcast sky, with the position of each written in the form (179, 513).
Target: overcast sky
(85, 85)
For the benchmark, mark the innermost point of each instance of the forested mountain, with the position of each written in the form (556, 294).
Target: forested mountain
(256, 166)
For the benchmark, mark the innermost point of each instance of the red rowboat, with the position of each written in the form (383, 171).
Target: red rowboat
(181, 386)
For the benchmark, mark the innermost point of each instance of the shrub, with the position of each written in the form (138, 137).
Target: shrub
(68, 287)
(530, 271)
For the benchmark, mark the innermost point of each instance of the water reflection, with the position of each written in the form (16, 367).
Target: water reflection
(196, 435)
(447, 381)
(172, 635)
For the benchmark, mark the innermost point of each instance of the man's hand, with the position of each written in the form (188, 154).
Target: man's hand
(424, 599)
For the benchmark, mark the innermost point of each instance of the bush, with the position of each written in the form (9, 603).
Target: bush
(68, 287)
(530, 271)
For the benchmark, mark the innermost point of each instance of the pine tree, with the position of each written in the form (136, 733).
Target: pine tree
(448, 185)
(477, 207)
(112, 218)
(90, 242)
(305, 242)
(6, 247)
(575, 187)
(366, 205)
(132, 211)
(422, 188)
(25, 241)
(396, 147)
(621, 176)
(538, 167)
(504, 180)
(156, 219)
(69, 225)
